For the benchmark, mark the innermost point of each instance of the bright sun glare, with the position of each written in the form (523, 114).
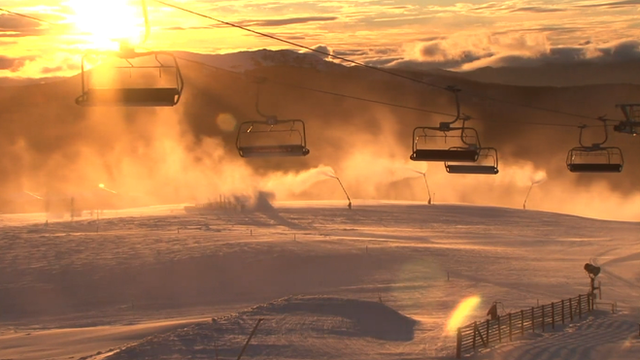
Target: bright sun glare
(107, 22)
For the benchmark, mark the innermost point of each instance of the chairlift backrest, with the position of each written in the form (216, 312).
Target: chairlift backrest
(134, 95)
(468, 137)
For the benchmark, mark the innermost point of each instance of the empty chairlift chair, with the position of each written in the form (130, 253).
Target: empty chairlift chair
(272, 138)
(138, 80)
(487, 164)
(595, 158)
(426, 147)
(434, 143)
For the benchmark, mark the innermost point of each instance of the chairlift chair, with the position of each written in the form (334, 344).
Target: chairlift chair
(135, 96)
(274, 138)
(487, 164)
(468, 153)
(427, 135)
(271, 137)
(595, 158)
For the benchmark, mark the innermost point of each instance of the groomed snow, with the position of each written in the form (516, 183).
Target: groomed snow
(330, 282)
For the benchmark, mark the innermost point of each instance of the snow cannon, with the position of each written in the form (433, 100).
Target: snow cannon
(592, 270)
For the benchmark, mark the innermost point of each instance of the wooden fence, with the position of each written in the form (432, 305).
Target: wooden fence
(540, 318)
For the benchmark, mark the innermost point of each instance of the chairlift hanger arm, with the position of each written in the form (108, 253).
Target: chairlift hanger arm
(454, 90)
(270, 118)
(595, 145)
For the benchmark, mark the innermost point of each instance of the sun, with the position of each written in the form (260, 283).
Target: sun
(106, 23)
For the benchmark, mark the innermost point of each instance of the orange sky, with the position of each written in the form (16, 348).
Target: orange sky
(438, 33)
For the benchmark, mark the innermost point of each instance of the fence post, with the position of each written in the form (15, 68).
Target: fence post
(533, 317)
(475, 334)
(580, 306)
(571, 309)
(459, 344)
(488, 339)
(499, 331)
(553, 317)
(522, 321)
(562, 304)
(542, 317)
(510, 329)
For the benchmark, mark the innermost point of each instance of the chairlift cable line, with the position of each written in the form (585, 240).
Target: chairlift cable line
(358, 63)
(379, 102)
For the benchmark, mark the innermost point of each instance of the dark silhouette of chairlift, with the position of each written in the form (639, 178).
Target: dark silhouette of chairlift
(134, 96)
(270, 129)
(468, 153)
(580, 158)
(631, 113)
(487, 164)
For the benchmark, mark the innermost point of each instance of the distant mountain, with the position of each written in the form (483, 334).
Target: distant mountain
(574, 74)
(250, 60)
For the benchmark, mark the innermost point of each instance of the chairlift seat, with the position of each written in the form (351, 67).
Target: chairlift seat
(453, 155)
(472, 169)
(595, 168)
(130, 97)
(273, 151)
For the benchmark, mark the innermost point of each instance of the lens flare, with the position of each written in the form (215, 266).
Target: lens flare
(461, 312)
(226, 122)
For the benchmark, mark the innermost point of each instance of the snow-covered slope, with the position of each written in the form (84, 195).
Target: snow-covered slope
(338, 273)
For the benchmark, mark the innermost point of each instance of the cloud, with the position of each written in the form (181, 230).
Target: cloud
(615, 4)
(59, 64)
(288, 21)
(537, 9)
(467, 52)
(322, 48)
(15, 26)
(12, 22)
(11, 64)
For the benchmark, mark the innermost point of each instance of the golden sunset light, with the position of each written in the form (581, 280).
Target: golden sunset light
(343, 179)
(427, 34)
(108, 23)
